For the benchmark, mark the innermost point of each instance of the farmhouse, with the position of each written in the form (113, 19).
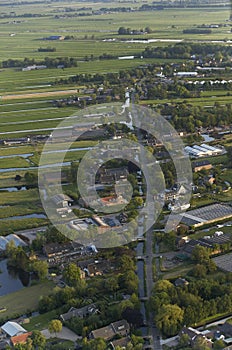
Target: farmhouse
(207, 215)
(62, 200)
(109, 176)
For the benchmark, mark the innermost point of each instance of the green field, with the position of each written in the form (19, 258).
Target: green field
(24, 300)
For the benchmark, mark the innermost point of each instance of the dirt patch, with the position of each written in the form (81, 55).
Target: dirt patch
(38, 94)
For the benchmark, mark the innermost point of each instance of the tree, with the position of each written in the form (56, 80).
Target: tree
(31, 178)
(169, 319)
(126, 263)
(138, 201)
(18, 177)
(184, 340)
(40, 268)
(38, 340)
(148, 30)
(133, 317)
(218, 344)
(98, 344)
(201, 344)
(55, 326)
(200, 255)
(111, 284)
(72, 275)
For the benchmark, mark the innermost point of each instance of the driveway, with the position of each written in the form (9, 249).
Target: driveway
(64, 334)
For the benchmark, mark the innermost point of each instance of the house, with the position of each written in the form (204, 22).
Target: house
(62, 253)
(226, 329)
(85, 311)
(110, 176)
(62, 200)
(113, 200)
(56, 249)
(176, 192)
(122, 343)
(95, 267)
(20, 339)
(121, 328)
(11, 329)
(181, 282)
(194, 334)
(201, 165)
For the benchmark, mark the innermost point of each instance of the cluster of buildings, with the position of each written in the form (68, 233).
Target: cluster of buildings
(207, 337)
(63, 253)
(34, 67)
(210, 242)
(12, 333)
(204, 150)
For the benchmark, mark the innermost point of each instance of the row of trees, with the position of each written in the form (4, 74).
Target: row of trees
(50, 62)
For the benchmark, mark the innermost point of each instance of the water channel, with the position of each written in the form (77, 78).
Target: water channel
(140, 273)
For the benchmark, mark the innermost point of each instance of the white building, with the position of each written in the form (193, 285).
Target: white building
(12, 329)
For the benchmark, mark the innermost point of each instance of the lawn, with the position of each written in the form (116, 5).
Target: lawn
(15, 162)
(13, 198)
(41, 322)
(24, 300)
(10, 226)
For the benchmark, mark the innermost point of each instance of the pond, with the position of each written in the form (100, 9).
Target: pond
(12, 280)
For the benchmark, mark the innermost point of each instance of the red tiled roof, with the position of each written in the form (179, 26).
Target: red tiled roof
(20, 339)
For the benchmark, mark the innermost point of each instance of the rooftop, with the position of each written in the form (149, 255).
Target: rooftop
(20, 339)
(207, 214)
(12, 329)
